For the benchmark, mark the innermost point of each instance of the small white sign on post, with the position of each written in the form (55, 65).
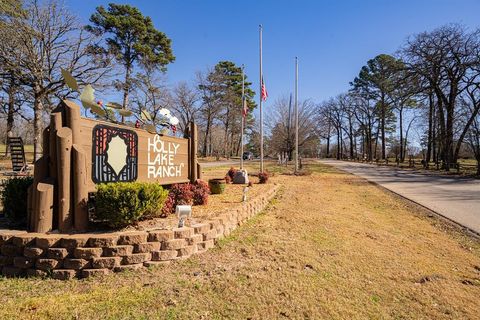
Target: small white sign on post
(245, 190)
(183, 212)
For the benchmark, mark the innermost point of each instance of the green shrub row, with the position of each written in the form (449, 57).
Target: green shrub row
(122, 204)
(14, 199)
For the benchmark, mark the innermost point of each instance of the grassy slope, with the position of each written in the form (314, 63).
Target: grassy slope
(330, 246)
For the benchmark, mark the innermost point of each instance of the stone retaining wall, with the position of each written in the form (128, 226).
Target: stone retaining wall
(82, 255)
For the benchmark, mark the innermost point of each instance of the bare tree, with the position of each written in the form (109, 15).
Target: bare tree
(46, 40)
(151, 94)
(185, 103)
(210, 90)
(280, 124)
(447, 58)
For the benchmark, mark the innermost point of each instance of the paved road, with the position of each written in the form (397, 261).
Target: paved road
(457, 199)
(220, 163)
(235, 163)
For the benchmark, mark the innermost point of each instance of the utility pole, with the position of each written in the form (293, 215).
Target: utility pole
(296, 114)
(289, 128)
(243, 116)
(260, 104)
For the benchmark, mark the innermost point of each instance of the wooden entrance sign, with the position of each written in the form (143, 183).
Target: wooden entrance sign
(80, 153)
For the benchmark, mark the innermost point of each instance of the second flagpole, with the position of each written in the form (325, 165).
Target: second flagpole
(260, 105)
(244, 115)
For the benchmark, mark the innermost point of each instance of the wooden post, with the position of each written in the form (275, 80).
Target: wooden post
(30, 207)
(193, 145)
(64, 148)
(80, 192)
(40, 173)
(79, 168)
(46, 141)
(56, 123)
(199, 171)
(73, 119)
(44, 203)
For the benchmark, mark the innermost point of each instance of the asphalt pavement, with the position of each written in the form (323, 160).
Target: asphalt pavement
(455, 198)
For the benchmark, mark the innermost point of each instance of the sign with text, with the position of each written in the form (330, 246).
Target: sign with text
(120, 153)
(161, 158)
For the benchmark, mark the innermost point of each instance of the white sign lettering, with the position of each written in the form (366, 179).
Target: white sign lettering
(161, 155)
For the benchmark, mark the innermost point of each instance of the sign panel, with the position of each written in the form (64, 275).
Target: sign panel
(114, 154)
(122, 154)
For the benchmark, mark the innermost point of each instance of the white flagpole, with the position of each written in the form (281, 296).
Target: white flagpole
(243, 116)
(296, 114)
(261, 111)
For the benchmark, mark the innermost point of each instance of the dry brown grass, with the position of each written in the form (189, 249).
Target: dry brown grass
(330, 246)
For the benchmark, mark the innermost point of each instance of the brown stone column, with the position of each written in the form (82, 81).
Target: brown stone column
(44, 205)
(56, 123)
(80, 192)
(73, 119)
(40, 173)
(64, 148)
(193, 145)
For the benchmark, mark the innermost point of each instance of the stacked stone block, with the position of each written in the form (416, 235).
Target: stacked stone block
(65, 257)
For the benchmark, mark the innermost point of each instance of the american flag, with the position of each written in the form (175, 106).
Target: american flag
(245, 108)
(264, 91)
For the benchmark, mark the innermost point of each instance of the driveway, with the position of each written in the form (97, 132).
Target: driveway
(222, 163)
(212, 164)
(457, 199)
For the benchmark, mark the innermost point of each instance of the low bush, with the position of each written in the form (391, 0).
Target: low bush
(183, 193)
(263, 177)
(14, 197)
(169, 205)
(201, 190)
(186, 194)
(124, 203)
(231, 173)
(180, 194)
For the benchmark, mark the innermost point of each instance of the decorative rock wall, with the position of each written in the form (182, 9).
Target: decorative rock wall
(82, 255)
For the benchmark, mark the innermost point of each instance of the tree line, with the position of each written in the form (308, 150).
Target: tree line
(123, 56)
(422, 101)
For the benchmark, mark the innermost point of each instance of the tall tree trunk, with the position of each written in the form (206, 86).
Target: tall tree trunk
(402, 151)
(430, 129)
(383, 129)
(449, 140)
(126, 88)
(442, 134)
(10, 113)
(328, 146)
(37, 125)
(370, 140)
(338, 144)
(467, 126)
(350, 132)
(434, 136)
(355, 144)
(205, 141)
(376, 143)
(363, 144)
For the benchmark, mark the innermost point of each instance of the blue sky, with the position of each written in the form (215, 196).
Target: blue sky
(332, 39)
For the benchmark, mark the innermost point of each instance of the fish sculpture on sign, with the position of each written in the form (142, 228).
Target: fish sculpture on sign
(163, 121)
